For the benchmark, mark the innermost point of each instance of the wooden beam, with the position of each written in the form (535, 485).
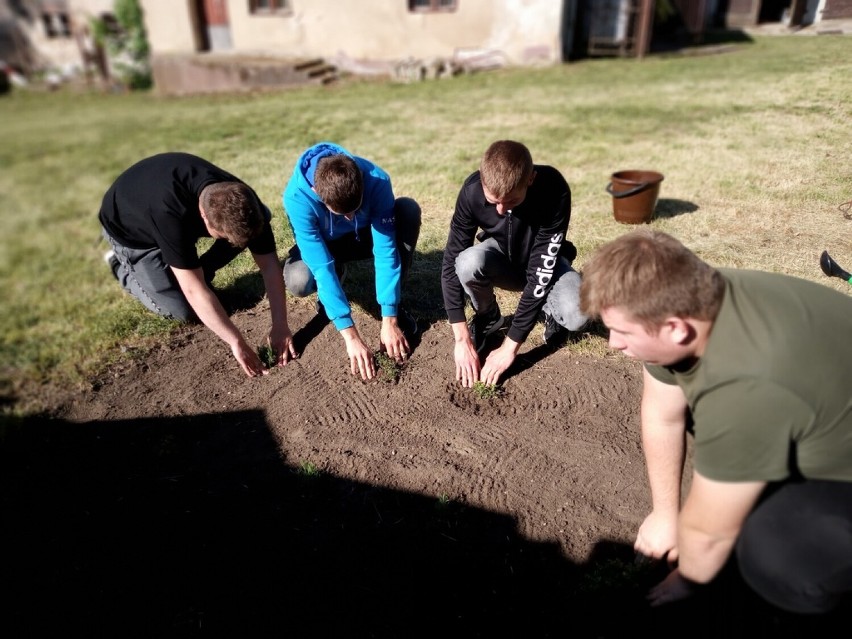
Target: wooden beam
(644, 27)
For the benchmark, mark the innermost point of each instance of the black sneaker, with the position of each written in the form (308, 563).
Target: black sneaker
(407, 323)
(554, 333)
(481, 326)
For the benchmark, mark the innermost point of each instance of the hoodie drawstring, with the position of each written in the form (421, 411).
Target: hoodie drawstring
(331, 225)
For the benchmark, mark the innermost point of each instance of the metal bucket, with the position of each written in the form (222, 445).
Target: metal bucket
(634, 195)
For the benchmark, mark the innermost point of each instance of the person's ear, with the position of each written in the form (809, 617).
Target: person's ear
(679, 330)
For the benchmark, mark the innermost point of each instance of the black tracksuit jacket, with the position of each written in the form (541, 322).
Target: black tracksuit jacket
(530, 235)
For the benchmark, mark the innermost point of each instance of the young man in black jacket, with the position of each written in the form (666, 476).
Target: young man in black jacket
(521, 211)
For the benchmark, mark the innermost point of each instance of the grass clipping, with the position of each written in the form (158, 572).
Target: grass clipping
(487, 391)
(268, 356)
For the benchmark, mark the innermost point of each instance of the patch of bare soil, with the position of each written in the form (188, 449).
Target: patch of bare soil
(178, 497)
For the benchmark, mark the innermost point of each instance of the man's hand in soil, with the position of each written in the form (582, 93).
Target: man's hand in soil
(657, 537)
(248, 359)
(393, 340)
(361, 360)
(466, 357)
(498, 361)
(281, 341)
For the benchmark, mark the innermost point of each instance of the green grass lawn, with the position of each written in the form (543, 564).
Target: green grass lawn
(754, 145)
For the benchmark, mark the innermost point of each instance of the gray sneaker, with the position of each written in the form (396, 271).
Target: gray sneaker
(481, 326)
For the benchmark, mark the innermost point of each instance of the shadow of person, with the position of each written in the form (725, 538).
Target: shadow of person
(421, 291)
(414, 340)
(310, 331)
(158, 527)
(530, 358)
(243, 294)
(526, 360)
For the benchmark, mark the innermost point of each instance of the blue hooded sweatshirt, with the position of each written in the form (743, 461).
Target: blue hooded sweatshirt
(313, 225)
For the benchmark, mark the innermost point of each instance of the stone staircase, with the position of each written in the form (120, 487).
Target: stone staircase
(191, 74)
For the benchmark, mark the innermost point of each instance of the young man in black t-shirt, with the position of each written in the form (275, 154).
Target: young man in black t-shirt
(154, 214)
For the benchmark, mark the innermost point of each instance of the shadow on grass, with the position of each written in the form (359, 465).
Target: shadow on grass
(670, 207)
(195, 525)
(245, 292)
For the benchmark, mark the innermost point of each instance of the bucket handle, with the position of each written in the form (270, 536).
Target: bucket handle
(629, 192)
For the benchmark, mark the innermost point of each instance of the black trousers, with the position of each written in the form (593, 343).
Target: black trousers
(795, 549)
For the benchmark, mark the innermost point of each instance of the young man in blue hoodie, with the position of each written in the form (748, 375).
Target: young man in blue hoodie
(341, 207)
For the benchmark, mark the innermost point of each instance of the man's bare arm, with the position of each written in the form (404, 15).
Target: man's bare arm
(209, 310)
(280, 336)
(663, 418)
(710, 522)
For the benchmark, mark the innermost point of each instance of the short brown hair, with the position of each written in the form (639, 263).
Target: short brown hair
(233, 210)
(651, 276)
(505, 166)
(339, 183)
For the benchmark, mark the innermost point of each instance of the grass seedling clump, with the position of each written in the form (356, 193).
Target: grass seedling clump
(389, 368)
(308, 469)
(267, 356)
(487, 391)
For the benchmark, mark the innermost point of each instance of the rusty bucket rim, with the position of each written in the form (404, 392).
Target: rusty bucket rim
(657, 176)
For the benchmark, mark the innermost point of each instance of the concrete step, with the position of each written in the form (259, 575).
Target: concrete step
(189, 74)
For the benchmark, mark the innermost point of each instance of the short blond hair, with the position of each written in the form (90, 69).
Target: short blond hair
(651, 276)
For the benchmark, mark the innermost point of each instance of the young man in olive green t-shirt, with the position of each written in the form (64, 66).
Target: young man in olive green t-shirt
(758, 364)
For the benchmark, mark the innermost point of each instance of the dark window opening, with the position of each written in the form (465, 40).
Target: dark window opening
(426, 6)
(56, 24)
(267, 7)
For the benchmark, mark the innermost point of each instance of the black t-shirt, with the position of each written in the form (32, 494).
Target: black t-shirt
(154, 204)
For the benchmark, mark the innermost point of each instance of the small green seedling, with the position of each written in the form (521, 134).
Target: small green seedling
(267, 356)
(389, 369)
(443, 500)
(487, 391)
(308, 469)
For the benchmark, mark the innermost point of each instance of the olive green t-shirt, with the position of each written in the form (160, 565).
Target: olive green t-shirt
(772, 393)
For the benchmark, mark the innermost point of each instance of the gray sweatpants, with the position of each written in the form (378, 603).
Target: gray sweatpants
(484, 266)
(144, 274)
